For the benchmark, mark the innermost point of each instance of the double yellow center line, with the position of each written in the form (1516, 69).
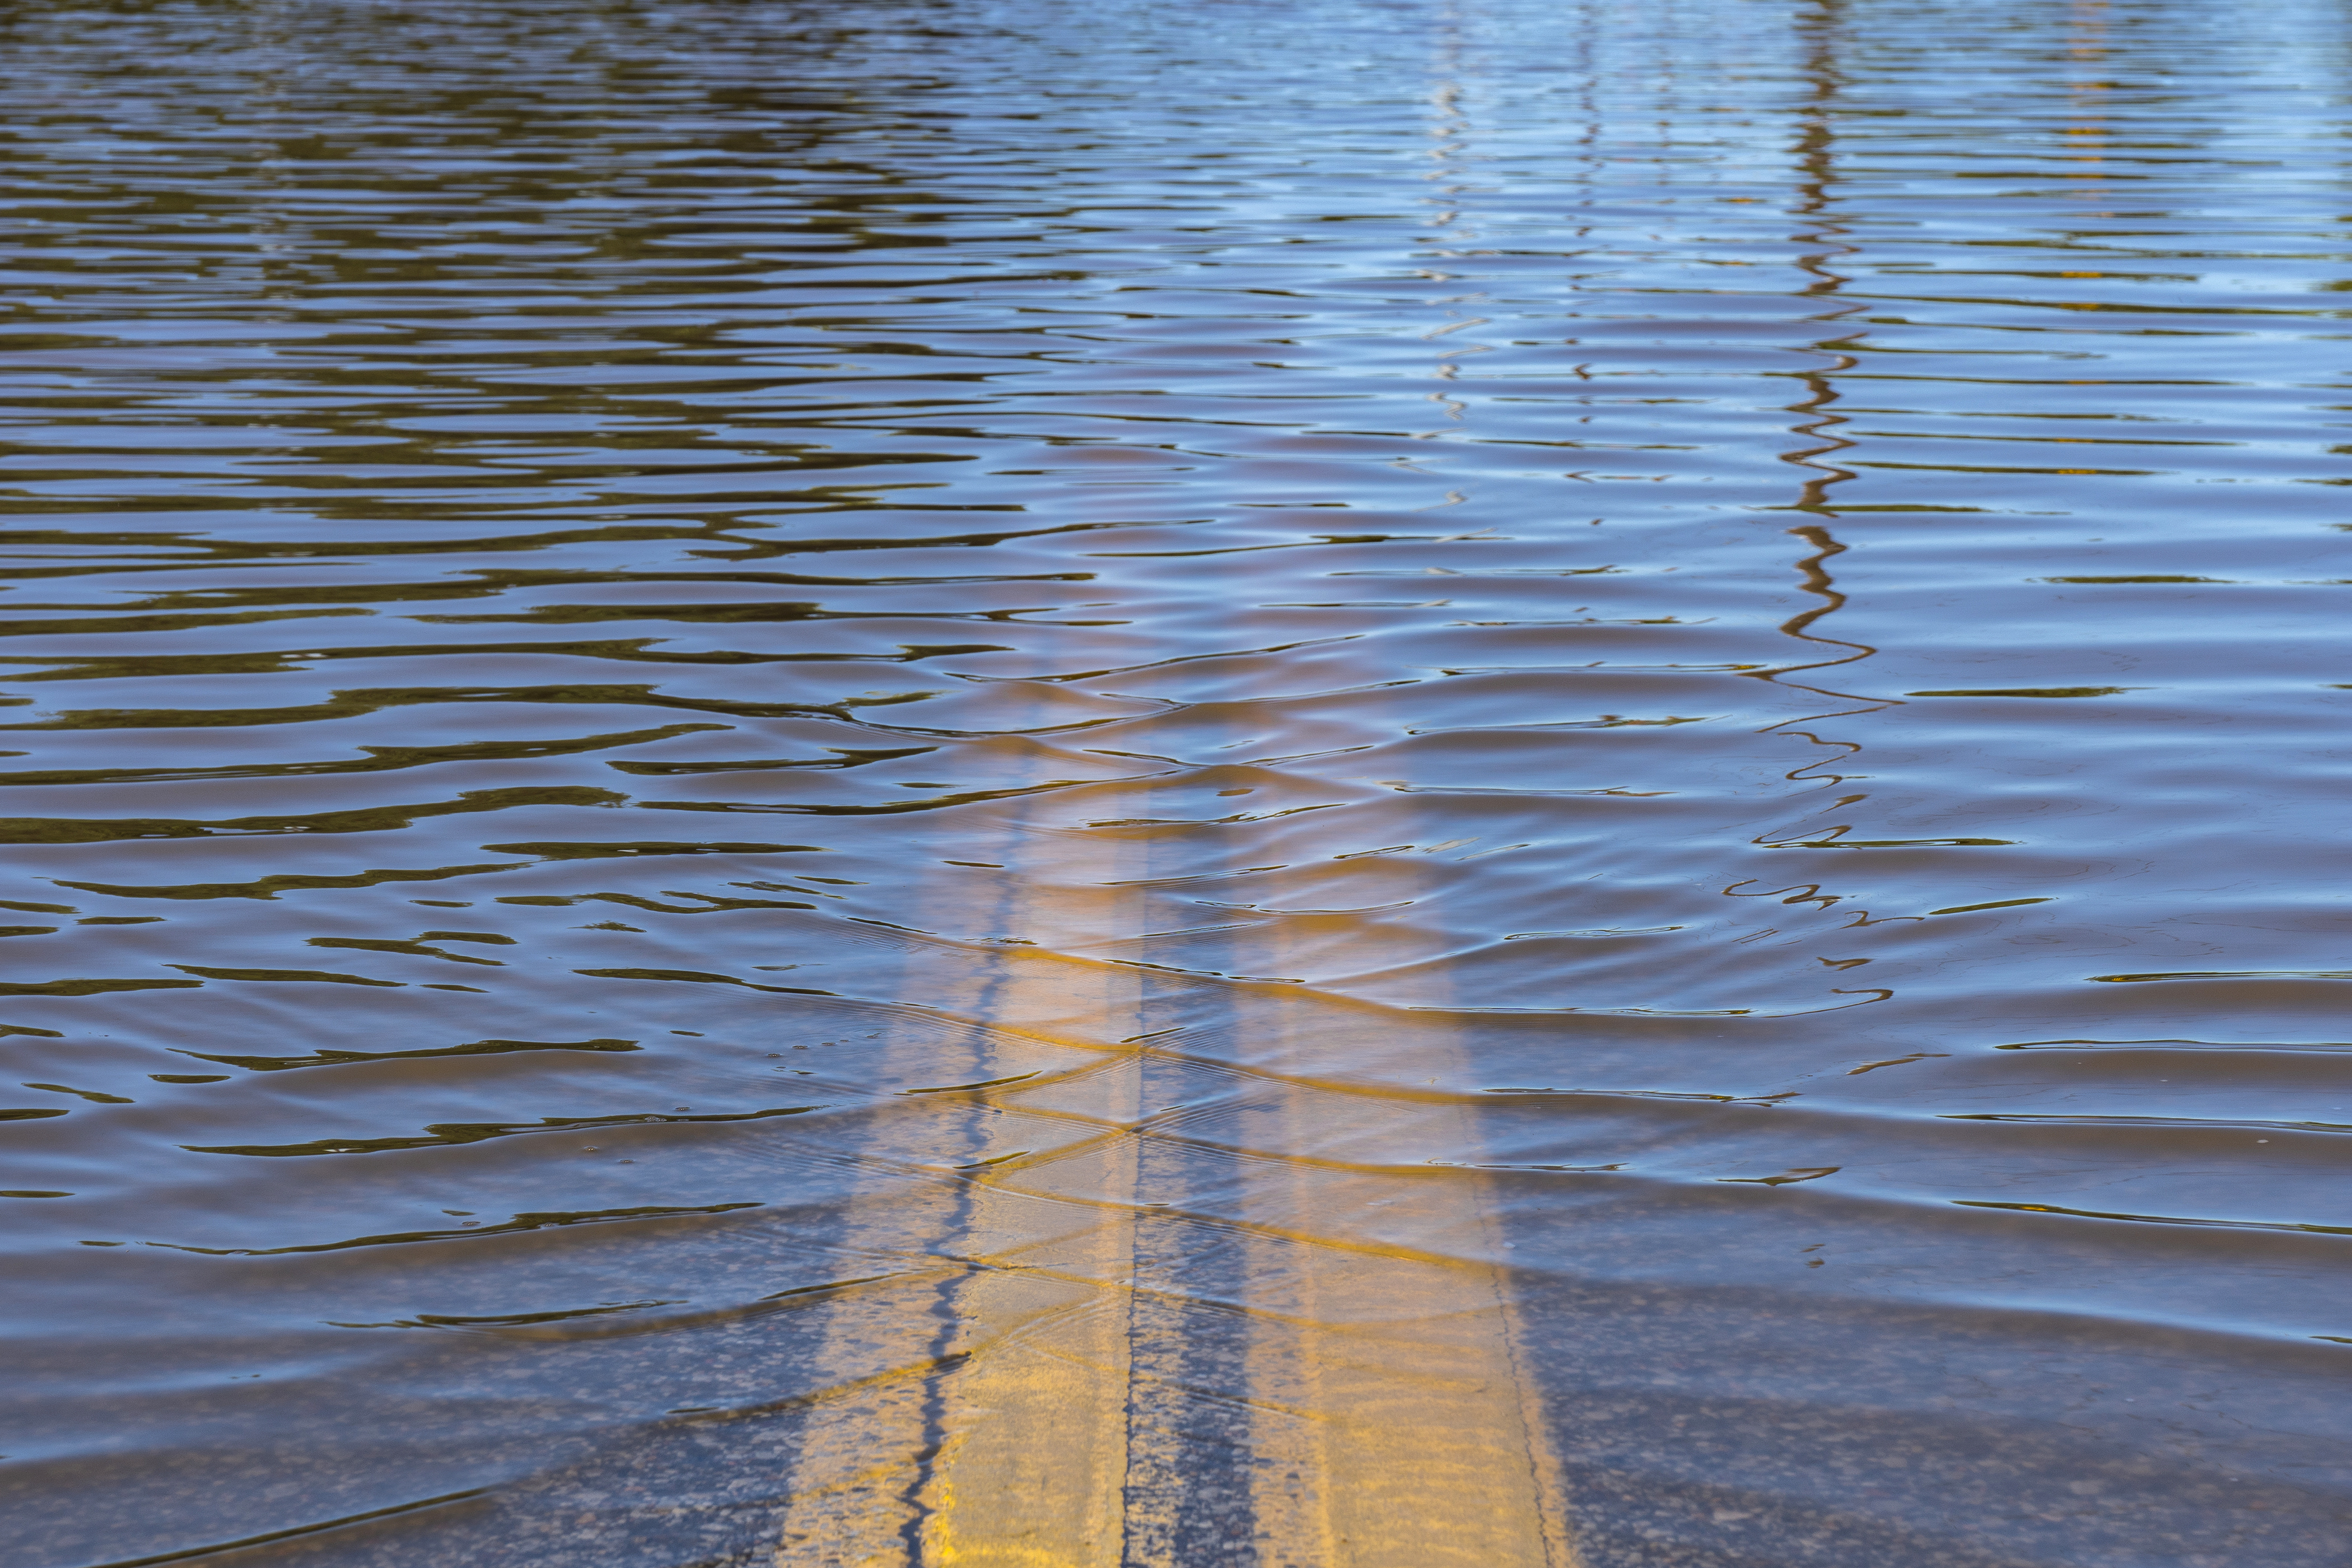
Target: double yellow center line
(1143, 1339)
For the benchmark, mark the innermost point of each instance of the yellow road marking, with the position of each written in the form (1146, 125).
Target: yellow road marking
(1367, 1400)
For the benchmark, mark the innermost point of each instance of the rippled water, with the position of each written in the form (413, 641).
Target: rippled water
(1437, 782)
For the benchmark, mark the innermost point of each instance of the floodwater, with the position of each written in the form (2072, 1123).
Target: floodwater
(1040, 782)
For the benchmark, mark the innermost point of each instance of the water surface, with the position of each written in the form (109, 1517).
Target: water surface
(1453, 781)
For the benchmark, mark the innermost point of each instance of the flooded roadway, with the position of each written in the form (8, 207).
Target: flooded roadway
(1374, 784)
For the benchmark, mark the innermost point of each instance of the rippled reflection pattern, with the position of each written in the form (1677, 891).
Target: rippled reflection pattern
(1007, 782)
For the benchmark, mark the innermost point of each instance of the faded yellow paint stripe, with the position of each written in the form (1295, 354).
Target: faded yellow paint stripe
(1032, 1472)
(1429, 1446)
